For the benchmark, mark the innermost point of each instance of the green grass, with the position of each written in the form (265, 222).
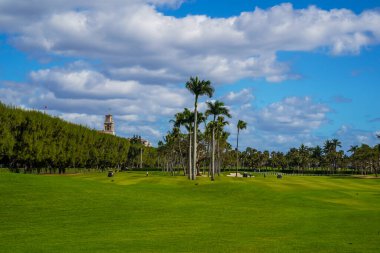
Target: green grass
(134, 213)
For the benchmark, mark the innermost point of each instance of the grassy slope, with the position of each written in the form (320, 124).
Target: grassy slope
(134, 213)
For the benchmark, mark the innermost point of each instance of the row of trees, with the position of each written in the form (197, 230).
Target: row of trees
(316, 160)
(33, 141)
(194, 150)
(197, 143)
(328, 159)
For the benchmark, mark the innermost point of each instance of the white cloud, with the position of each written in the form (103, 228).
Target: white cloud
(292, 114)
(241, 97)
(89, 85)
(170, 3)
(142, 130)
(134, 58)
(91, 121)
(134, 41)
(362, 138)
(352, 136)
(279, 125)
(10, 96)
(84, 96)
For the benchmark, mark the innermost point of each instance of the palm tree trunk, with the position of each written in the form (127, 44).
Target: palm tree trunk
(213, 155)
(195, 139)
(181, 156)
(218, 156)
(208, 154)
(190, 174)
(237, 153)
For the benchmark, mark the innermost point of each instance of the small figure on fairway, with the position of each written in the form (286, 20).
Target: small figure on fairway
(147, 173)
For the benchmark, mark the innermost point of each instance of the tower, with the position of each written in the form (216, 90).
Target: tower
(109, 125)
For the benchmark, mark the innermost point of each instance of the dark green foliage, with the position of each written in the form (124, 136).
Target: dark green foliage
(31, 141)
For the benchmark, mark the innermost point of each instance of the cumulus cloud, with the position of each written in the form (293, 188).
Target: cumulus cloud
(353, 136)
(240, 97)
(142, 130)
(292, 114)
(94, 88)
(135, 41)
(280, 125)
(135, 58)
(91, 121)
(83, 96)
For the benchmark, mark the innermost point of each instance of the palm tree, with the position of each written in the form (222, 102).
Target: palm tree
(179, 137)
(186, 119)
(335, 144)
(240, 126)
(220, 124)
(304, 153)
(330, 150)
(353, 150)
(215, 109)
(169, 139)
(378, 154)
(365, 157)
(316, 155)
(198, 88)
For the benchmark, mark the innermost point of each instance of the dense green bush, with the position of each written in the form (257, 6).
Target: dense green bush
(31, 141)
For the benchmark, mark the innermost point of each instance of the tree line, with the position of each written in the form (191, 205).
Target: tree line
(328, 159)
(194, 151)
(31, 141)
(185, 148)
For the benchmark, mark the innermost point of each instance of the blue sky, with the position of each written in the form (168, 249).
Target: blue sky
(297, 71)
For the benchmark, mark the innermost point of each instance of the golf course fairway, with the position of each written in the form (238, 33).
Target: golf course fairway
(131, 212)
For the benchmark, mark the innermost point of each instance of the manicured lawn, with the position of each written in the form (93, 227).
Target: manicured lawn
(135, 213)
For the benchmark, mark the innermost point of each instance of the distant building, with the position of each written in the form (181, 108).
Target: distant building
(109, 128)
(137, 139)
(146, 143)
(109, 125)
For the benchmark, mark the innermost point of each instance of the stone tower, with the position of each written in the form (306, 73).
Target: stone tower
(109, 125)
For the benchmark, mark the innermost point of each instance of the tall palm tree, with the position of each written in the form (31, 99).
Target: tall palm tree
(215, 109)
(353, 150)
(335, 144)
(316, 155)
(378, 154)
(169, 139)
(198, 88)
(186, 119)
(220, 124)
(304, 154)
(330, 151)
(201, 119)
(240, 126)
